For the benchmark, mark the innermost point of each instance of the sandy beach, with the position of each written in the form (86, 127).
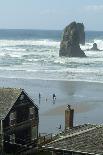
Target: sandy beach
(86, 98)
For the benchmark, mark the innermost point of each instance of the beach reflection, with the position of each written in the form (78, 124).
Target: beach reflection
(86, 99)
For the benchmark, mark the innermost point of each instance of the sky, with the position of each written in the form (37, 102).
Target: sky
(50, 14)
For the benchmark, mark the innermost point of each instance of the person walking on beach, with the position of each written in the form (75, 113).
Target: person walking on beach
(39, 98)
(60, 127)
(54, 98)
(46, 99)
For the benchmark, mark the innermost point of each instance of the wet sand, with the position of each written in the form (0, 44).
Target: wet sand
(60, 110)
(85, 97)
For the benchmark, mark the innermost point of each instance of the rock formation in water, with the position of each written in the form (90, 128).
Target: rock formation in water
(80, 27)
(69, 46)
(94, 48)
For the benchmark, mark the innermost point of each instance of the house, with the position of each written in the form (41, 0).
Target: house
(18, 120)
(84, 139)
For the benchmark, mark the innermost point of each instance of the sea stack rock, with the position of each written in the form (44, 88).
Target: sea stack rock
(69, 46)
(80, 27)
(95, 48)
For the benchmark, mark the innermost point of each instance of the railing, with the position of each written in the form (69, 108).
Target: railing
(44, 138)
(29, 146)
(24, 123)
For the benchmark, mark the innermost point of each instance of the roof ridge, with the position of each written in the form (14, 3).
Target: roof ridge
(8, 96)
(76, 133)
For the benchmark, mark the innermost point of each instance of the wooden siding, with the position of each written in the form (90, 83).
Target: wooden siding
(22, 124)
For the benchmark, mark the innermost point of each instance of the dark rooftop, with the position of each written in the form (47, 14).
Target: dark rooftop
(85, 139)
(8, 97)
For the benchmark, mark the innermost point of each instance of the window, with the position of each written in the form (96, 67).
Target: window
(12, 139)
(12, 118)
(21, 97)
(31, 112)
(31, 109)
(34, 132)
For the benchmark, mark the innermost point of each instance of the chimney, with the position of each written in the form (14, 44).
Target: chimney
(69, 113)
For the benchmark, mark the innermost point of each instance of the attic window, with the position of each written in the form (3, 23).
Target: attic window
(21, 97)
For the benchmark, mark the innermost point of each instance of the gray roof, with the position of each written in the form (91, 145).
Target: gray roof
(84, 139)
(8, 97)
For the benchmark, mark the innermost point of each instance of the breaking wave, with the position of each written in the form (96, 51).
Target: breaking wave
(39, 59)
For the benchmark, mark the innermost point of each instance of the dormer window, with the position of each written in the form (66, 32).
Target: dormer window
(12, 118)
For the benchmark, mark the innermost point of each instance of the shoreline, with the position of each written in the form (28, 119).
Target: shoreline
(61, 80)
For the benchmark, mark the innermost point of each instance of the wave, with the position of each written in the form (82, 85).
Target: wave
(72, 75)
(44, 42)
(88, 45)
(39, 59)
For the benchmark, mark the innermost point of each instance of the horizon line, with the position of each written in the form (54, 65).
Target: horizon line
(41, 29)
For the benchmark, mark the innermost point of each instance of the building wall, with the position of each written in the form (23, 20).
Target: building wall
(20, 121)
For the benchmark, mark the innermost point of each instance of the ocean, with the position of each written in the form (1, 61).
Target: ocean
(29, 59)
(34, 54)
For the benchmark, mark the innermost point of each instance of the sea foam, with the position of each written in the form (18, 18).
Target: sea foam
(39, 59)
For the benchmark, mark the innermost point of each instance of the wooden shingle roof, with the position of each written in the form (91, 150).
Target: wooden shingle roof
(85, 140)
(8, 97)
